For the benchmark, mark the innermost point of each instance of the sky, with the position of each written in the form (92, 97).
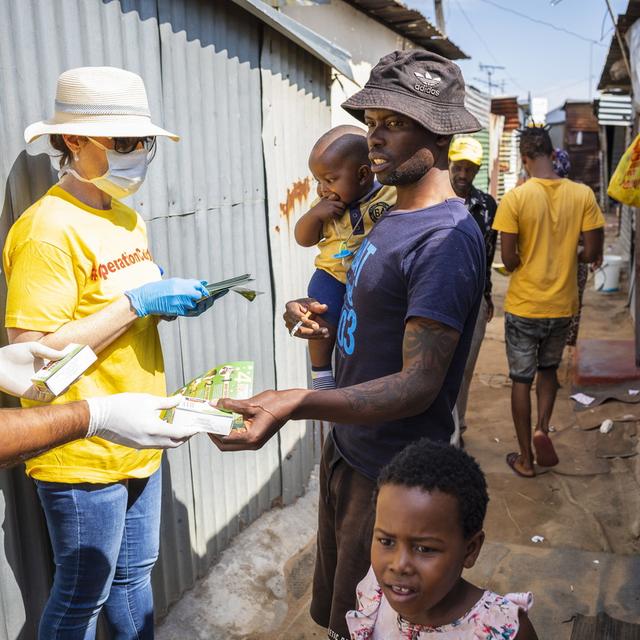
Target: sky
(537, 58)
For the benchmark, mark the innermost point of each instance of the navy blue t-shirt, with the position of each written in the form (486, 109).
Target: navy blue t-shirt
(428, 263)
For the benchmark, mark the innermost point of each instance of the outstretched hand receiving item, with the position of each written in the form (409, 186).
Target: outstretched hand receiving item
(264, 415)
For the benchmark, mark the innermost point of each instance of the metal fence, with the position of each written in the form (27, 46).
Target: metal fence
(248, 104)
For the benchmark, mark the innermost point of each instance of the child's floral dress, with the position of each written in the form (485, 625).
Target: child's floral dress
(493, 617)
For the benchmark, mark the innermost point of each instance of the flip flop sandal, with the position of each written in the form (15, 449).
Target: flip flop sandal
(546, 455)
(511, 460)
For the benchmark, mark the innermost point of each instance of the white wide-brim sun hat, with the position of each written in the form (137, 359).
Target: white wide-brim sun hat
(99, 102)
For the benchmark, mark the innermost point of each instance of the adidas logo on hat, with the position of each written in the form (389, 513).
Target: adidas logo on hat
(421, 85)
(428, 83)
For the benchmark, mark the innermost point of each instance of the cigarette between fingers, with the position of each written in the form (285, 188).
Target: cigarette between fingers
(298, 324)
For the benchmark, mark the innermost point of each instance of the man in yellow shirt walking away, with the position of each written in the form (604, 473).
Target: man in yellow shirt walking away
(540, 224)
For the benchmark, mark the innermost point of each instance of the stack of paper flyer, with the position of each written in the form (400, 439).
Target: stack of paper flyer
(229, 380)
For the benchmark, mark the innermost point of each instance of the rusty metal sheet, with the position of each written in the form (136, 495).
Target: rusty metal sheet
(295, 114)
(208, 212)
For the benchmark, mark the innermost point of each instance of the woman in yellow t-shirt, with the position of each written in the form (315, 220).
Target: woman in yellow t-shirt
(79, 270)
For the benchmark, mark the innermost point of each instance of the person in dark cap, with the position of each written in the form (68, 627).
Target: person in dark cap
(412, 296)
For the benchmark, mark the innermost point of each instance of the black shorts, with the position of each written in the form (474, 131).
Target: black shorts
(345, 527)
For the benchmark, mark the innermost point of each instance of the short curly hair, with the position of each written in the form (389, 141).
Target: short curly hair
(535, 141)
(431, 465)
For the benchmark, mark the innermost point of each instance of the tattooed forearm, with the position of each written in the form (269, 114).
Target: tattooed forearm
(25, 433)
(427, 352)
(392, 396)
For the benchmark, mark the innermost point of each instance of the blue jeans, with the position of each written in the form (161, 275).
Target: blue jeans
(105, 540)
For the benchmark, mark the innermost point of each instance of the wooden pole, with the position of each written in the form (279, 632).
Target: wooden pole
(621, 42)
(604, 167)
(440, 17)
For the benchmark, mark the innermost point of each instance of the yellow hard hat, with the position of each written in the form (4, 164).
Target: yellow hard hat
(466, 148)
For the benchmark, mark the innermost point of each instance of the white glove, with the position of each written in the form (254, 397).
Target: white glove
(18, 363)
(131, 419)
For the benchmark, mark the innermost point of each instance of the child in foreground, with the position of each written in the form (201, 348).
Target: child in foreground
(350, 202)
(430, 506)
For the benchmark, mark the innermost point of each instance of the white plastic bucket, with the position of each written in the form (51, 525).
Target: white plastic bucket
(607, 277)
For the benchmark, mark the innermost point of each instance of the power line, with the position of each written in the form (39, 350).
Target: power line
(561, 87)
(473, 28)
(498, 84)
(486, 46)
(542, 22)
(604, 18)
(491, 69)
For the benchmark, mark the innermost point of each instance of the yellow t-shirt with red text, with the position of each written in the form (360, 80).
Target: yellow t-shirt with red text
(64, 261)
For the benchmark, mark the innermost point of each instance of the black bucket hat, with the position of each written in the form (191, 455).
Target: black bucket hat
(420, 85)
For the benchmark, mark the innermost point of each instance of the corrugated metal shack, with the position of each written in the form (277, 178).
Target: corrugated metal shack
(369, 30)
(411, 24)
(582, 141)
(479, 104)
(248, 90)
(509, 155)
(615, 122)
(617, 135)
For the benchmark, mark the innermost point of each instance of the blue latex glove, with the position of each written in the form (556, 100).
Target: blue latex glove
(206, 303)
(172, 297)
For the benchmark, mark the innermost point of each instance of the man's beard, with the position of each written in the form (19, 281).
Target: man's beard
(461, 190)
(408, 172)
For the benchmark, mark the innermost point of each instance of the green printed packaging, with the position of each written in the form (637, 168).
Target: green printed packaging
(229, 380)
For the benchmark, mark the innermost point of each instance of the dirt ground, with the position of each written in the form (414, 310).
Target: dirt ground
(586, 508)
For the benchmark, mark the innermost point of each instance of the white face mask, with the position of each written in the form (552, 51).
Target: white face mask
(124, 176)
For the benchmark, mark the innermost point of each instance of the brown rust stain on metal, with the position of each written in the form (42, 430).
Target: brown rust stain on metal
(297, 192)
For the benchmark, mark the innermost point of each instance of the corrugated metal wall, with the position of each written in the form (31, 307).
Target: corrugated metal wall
(509, 162)
(613, 109)
(479, 104)
(295, 106)
(582, 142)
(248, 105)
(481, 180)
